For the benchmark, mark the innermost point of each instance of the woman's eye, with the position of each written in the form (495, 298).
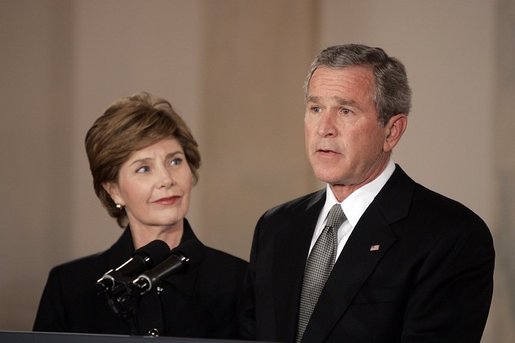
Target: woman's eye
(176, 161)
(144, 169)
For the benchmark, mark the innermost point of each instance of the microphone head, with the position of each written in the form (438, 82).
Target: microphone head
(153, 253)
(143, 259)
(193, 250)
(187, 255)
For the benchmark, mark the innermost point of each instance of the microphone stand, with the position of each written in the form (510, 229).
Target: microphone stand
(124, 302)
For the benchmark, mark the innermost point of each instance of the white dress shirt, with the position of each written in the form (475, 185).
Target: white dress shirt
(353, 206)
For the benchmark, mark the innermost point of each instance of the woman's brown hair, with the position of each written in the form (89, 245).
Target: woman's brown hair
(130, 124)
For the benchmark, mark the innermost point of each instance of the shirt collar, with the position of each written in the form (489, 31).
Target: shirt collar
(358, 201)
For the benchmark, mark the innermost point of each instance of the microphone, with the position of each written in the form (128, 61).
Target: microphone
(184, 256)
(144, 258)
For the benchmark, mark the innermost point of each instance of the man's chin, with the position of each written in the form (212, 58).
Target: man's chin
(330, 179)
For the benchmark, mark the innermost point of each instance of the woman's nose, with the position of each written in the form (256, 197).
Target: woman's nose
(166, 179)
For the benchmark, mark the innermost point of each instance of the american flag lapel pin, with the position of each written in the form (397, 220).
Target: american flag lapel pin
(374, 247)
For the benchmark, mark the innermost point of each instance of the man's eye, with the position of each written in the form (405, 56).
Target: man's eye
(345, 111)
(315, 109)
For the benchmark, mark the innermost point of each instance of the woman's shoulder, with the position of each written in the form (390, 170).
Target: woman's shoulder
(213, 255)
(221, 267)
(93, 264)
(220, 274)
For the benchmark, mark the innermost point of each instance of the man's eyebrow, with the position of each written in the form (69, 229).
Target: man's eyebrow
(339, 100)
(343, 101)
(311, 98)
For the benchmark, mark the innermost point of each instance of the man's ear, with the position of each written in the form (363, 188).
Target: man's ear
(395, 128)
(114, 192)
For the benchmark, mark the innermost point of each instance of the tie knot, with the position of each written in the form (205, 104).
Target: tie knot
(336, 217)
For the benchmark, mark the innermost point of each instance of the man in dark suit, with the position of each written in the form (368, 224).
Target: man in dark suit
(402, 263)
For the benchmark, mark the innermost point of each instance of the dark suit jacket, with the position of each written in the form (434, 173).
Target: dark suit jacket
(199, 303)
(430, 280)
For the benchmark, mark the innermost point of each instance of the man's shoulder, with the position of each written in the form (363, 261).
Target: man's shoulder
(442, 213)
(402, 196)
(449, 209)
(298, 204)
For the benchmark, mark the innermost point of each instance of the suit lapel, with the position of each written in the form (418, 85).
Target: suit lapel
(368, 243)
(290, 253)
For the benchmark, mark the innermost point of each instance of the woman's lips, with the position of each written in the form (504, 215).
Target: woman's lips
(168, 200)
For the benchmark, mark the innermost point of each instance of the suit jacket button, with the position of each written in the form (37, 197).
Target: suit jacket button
(153, 332)
(160, 290)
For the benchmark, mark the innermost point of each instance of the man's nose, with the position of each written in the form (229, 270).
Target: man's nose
(327, 125)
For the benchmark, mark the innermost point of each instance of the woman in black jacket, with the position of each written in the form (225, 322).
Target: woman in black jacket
(144, 162)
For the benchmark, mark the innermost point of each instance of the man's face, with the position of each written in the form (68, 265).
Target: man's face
(345, 141)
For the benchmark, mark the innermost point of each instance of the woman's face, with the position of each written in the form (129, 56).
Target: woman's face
(154, 186)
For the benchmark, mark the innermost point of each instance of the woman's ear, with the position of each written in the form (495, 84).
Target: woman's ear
(395, 128)
(114, 192)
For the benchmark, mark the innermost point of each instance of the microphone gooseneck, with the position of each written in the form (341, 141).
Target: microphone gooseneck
(179, 259)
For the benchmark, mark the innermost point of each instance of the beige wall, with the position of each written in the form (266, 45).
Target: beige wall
(449, 53)
(34, 150)
(119, 48)
(252, 133)
(234, 69)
